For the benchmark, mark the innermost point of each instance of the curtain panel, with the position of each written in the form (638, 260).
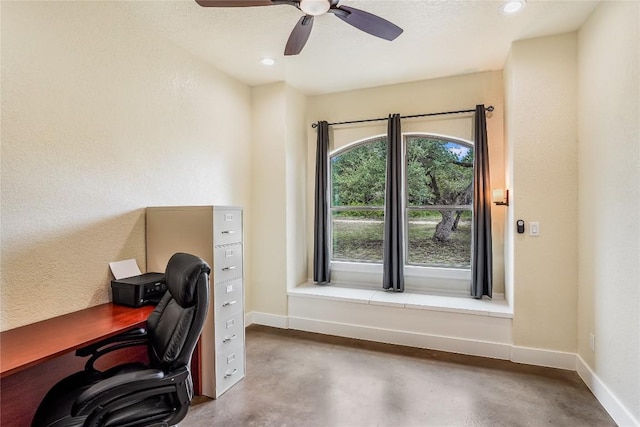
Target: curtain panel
(482, 258)
(321, 261)
(393, 247)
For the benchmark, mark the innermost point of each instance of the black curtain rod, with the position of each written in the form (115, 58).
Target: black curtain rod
(489, 108)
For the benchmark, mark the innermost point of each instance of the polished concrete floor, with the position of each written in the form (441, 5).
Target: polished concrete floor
(299, 379)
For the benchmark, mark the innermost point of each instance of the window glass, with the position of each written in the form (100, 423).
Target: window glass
(424, 249)
(438, 174)
(357, 200)
(439, 182)
(358, 175)
(357, 235)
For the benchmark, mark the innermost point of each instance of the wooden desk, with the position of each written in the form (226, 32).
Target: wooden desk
(36, 343)
(36, 356)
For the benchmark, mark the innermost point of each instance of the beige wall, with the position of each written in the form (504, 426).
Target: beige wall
(447, 94)
(268, 174)
(296, 157)
(541, 122)
(277, 225)
(100, 120)
(609, 198)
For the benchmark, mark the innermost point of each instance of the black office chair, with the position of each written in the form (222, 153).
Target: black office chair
(158, 394)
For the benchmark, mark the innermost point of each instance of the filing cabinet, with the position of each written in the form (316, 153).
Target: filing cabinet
(215, 234)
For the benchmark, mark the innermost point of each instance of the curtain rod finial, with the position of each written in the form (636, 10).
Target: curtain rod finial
(490, 108)
(314, 125)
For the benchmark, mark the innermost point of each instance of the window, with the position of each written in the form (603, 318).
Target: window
(439, 190)
(357, 201)
(438, 174)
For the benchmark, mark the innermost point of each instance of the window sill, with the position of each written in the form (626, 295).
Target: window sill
(335, 292)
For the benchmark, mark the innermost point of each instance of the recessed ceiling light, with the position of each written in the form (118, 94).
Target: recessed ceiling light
(268, 61)
(511, 7)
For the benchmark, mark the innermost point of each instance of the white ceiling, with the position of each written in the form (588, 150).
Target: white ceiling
(441, 38)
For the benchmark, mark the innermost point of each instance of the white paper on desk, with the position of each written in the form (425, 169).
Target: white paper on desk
(126, 268)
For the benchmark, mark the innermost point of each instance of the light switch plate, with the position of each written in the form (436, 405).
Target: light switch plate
(534, 229)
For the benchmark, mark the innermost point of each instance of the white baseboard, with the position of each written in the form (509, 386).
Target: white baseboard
(609, 401)
(410, 339)
(494, 350)
(540, 357)
(266, 319)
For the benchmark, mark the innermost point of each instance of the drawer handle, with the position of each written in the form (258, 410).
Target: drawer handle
(230, 374)
(228, 303)
(229, 232)
(232, 267)
(232, 337)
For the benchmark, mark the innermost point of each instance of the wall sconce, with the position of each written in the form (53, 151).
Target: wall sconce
(500, 197)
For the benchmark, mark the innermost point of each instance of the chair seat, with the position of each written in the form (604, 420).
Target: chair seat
(143, 413)
(55, 409)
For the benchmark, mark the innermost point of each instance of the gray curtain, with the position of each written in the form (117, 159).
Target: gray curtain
(482, 262)
(393, 250)
(321, 271)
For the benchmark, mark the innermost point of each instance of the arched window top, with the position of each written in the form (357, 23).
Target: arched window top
(358, 143)
(439, 137)
(408, 135)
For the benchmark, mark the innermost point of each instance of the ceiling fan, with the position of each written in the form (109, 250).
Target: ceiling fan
(365, 21)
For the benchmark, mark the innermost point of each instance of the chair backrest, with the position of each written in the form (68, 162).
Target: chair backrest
(176, 323)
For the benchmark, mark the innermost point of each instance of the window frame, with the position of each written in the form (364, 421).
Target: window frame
(453, 281)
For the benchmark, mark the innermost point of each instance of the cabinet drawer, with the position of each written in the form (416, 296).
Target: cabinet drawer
(227, 227)
(227, 262)
(229, 331)
(228, 297)
(229, 369)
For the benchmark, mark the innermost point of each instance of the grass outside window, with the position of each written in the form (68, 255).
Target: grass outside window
(358, 236)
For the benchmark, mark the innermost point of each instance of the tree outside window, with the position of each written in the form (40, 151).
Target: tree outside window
(439, 177)
(438, 184)
(357, 201)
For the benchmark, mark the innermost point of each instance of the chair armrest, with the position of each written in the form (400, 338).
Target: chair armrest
(134, 337)
(114, 387)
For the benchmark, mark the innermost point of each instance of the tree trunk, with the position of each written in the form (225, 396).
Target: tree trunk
(455, 223)
(445, 226)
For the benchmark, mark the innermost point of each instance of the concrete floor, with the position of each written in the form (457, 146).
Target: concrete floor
(301, 379)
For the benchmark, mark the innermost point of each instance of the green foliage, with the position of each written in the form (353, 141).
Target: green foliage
(439, 172)
(358, 175)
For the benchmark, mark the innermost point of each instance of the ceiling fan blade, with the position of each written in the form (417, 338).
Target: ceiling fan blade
(367, 22)
(299, 35)
(242, 3)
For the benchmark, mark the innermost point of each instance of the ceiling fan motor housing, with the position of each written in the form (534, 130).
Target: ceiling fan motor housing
(315, 7)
